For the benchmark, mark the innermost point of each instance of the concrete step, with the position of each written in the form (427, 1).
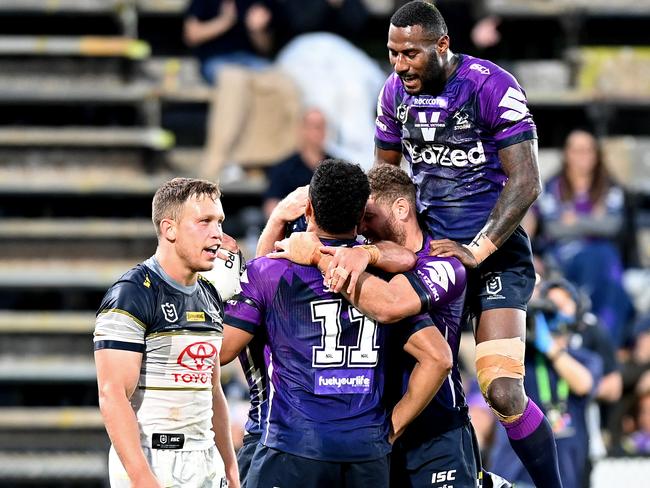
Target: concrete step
(42, 322)
(85, 46)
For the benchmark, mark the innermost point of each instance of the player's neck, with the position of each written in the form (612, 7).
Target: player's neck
(451, 64)
(414, 237)
(175, 268)
(321, 234)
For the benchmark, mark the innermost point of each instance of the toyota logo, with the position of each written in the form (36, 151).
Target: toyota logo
(195, 355)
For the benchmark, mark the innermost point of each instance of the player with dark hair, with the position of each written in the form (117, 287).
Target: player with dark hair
(439, 445)
(326, 424)
(463, 126)
(157, 338)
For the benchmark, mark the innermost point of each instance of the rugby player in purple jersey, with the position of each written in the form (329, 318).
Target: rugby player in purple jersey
(326, 423)
(464, 128)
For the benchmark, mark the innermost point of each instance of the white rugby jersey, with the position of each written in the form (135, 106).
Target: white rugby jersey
(179, 330)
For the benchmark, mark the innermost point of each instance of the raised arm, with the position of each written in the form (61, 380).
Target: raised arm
(197, 32)
(118, 372)
(387, 156)
(434, 362)
(288, 209)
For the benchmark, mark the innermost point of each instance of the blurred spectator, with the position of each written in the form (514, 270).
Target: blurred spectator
(297, 169)
(346, 18)
(636, 379)
(228, 32)
(560, 379)
(343, 82)
(638, 442)
(579, 218)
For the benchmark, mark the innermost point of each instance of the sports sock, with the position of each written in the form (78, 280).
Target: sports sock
(532, 440)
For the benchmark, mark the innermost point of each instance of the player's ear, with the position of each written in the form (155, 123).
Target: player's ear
(442, 46)
(401, 208)
(309, 211)
(168, 229)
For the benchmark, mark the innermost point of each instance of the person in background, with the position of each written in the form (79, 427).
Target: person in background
(579, 218)
(297, 169)
(346, 18)
(638, 441)
(228, 32)
(561, 379)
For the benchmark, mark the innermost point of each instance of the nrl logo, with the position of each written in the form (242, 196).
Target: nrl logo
(402, 113)
(169, 311)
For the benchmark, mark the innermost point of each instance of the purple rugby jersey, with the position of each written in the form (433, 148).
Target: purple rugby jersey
(326, 363)
(452, 141)
(440, 283)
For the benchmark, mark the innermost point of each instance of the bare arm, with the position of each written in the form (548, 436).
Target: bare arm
(288, 209)
(221, 428)
(519, 162)
(385, 302)
(234, 340)
(610, 387)
(258, 19)
(390, 257)
(117, 377)
(387, 156)
(434, 362)
(197, 32)
(575, 374)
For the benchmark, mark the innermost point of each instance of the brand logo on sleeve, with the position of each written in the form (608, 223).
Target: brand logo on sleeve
(441, 273)
(480, 68)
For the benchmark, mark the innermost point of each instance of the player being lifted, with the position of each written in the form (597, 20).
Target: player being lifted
(326, 424)
(463, 126)
(157, 338)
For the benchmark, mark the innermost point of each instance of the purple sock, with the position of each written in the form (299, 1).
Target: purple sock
(531, 437)
(526, 424)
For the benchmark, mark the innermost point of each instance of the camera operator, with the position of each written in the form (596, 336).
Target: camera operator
(561, 379)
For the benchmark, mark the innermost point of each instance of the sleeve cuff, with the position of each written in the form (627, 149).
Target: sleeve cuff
(122, 346)
(240, 324)
(516, 139)
(420, 289)
(388, 146)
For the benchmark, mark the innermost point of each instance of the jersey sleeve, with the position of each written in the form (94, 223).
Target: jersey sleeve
(247, 309)
(416, 323)
(388, 132)
(123, 317)
(504, 110)
(437, 281)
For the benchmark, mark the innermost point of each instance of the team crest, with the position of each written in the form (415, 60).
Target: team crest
(402, 113)
(169, 311)
(493, 285)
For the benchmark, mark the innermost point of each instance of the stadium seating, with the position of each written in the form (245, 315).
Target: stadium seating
(100, 103)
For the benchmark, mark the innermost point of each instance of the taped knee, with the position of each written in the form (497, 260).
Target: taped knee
(499, 358)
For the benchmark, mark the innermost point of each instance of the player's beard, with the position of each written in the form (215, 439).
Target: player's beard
(394, 232)
(433, 79)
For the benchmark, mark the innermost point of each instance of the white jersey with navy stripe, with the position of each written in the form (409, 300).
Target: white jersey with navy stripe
(179, 331)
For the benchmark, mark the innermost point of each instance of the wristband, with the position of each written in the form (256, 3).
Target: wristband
(373, 252)
(481, 247)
